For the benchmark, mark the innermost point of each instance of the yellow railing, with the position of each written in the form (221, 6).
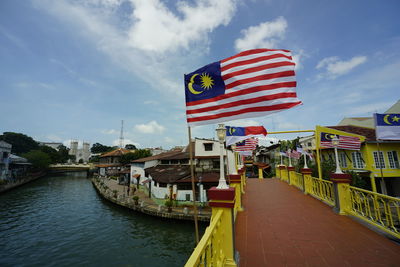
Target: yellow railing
(278, 173)
(208, 251)
(320, 189)
(297, 180)
(285, 175)
(379, 210)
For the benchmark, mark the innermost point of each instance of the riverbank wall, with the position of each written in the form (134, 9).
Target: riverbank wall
(21, 181)
(120, 198)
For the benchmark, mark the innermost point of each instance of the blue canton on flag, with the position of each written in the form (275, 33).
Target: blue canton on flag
(387, 126)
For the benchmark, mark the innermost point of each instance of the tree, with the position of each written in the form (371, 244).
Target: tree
(99, 148)
(130, 147)
(53, 154)
(63, 153)
(128, 157)
(21, 143)
(39, 159)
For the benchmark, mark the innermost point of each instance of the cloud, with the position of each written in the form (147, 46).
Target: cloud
(158, 29)
(149, 128)
(146, 38)
(115, 142)
(267, 35)
(111, 131)
(335, 67)
(368, 109)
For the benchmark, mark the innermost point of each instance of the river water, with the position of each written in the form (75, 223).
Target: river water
(62, 221)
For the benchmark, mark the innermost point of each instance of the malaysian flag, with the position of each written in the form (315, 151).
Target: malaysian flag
(252, 83)
(247, 145)
(345, 142)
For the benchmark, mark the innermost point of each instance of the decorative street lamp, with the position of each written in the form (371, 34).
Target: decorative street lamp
(335, 143)
(221, 132)
(290, 154)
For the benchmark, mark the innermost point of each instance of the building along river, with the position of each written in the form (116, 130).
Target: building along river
(62, 221)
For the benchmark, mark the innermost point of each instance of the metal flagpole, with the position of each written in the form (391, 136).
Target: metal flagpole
(380, 163)
(193, 185)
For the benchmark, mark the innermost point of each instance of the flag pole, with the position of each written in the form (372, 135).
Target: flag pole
(380, 163)
(196, 227)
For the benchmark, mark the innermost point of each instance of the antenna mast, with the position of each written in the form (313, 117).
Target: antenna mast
(121, 136)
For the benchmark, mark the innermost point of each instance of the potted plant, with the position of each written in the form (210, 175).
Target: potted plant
(136, 200)
(169, 204)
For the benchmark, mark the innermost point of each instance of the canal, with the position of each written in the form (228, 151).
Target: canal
(62, 221)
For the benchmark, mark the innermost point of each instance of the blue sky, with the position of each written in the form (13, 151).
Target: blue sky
(74, 69)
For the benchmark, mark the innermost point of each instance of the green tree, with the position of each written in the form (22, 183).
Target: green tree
(128, 157)
(99, 148)
(63, 153)
(39, 159)
(21, 143)
(53, 154)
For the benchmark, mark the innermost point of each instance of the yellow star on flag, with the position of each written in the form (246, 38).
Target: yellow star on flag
(395, 119)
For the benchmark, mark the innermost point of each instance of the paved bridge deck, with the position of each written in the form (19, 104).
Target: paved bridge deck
(280, 226)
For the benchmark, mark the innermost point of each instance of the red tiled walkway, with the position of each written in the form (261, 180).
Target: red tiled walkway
(280, 226)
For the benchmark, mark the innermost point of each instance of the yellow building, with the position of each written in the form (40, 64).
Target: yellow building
(376, 161)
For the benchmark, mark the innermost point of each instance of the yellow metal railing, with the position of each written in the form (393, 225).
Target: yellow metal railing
(297, 180)
(379, 210)
(277, 173)
(285, 175)
(320, 189)
(209, 251)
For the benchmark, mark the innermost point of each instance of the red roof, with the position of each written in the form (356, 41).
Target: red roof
(115, 153)
(367, 132)
(175, 154)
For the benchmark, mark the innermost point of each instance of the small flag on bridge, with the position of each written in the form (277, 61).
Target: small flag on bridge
(345, 142)
(237, 134)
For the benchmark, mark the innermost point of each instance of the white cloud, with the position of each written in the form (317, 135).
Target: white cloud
(335, 67)
(265, 35)
(115, 142)
(157, 29)
(149, 128)
(110, 131)
(243, 123)
(54, 138)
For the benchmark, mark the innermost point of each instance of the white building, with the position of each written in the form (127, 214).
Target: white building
(82, 153)
(5, 152)
(169, 173)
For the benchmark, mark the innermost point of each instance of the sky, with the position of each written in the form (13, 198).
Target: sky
(74, 69)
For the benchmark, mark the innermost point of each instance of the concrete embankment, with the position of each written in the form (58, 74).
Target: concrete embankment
(110, 190)
(21, 181)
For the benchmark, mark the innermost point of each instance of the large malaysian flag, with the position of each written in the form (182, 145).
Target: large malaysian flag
(252, 83)
(345, 142)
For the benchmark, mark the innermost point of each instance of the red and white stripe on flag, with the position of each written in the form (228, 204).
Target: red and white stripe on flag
(249, 145)
(345, 142)
(257, 82)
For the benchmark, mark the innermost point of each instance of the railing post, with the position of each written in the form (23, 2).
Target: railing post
(290, 174)
(342, 194)
(281, 171)
(242, 174)
(225, 199)
(236, 182)
(306, 176)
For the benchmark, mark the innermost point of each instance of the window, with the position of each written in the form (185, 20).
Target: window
(215, 164)
(187, 197)
(309, 144)
(208, 146)
(164, 161)
(174, 161)
(358, 162)
(393, 160)
(379, 160)
(184, 161)
(342, 160)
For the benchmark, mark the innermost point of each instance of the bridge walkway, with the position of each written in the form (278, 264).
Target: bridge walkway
(280, 226)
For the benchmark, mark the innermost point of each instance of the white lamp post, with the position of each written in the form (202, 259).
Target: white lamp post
(335, 143)
(290, 155)
(305, 160)
(221, 132)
